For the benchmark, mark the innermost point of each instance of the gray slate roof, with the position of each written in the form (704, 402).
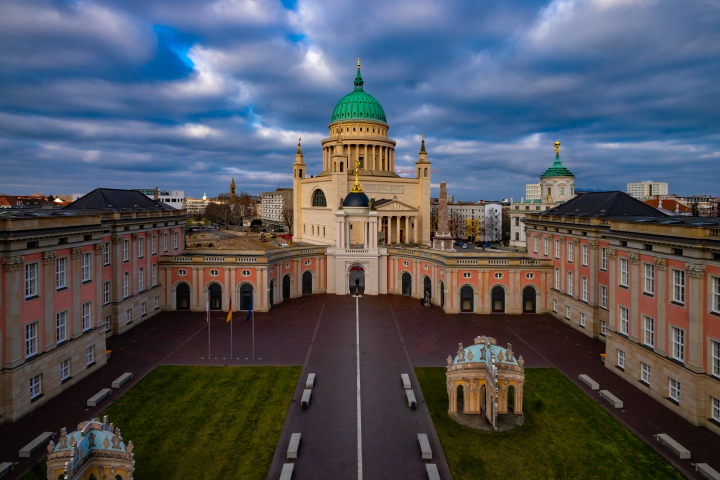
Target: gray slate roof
(604, 204)
(115, 199)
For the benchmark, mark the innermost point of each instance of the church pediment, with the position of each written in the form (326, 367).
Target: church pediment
(395, 205)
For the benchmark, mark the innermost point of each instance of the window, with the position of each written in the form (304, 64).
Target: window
(623, 272)
(678, 341)
(567, 312)
(603, 327)
(35, 386)
(715, 294)
(31, 339)
(546, 246)
(126, 285)
(107, 323)
(557, 248)
(65, 369)
(624, 320)
(603, 296)
(214, 273)
(128, 317)
(86, 268)
(584, 285)
(31, 271)
(603, 259)
(715, 349)
(157, 303)
(126, 250)
(182, 272)
(529, 276)
(319, 199)
(142, 309)
(645, 373)
(245, 273)
(517, 235)
(585, 255)
(649, 278)
(154, 274)
(621, 359)
(153, 244)
(557, 279)
(61, 327)
(90, 355)
(498, 275)
(106, 253)
(141, 247)
(582, 320)
(175, 240)
(570, 284)
(467, 275)
(678, 286)
(535, 244)
(649, 331)
(715, 409)
(141, 280)
(106, 292)
(675, 390)
(570, 251)
(555, 306)
(86, 316)
(165, 242)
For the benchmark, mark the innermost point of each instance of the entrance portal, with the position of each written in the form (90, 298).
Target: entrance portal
(498, 299)
(466, 299)
(460, 407)
(246, 293)
(442, 294)
(406, 284)
(307, 283)
(528, 299)
(272, 291)
(427, 289)
(357, 279)
(286, 287)
(215, 292)
(182, 297)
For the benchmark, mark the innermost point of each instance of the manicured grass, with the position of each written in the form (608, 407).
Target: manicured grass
(205, 422)
(566, 435)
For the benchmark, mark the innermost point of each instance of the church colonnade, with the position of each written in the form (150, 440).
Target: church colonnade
(375, 156)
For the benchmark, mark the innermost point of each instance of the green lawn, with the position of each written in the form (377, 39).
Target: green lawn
(565, 435)
(203, 422)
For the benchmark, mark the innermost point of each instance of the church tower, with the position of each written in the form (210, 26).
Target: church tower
(298, 175)
(233, 197)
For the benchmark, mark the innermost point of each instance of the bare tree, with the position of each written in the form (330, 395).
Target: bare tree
(246, 204)
(288, 216)
(433, 226)
(453, 227)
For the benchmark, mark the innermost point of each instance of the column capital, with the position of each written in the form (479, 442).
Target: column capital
(696, 270)
(98, 247)
(594, 245)
(612, 254)
(634, 258)
(48, 257)
(134, 236)
(116, 238)
(660, 263)
(13, 263)
(76, 252)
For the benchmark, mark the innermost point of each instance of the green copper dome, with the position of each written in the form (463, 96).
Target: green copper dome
(557, 170)
(358, 105)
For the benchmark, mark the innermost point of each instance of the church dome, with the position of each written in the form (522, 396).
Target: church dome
(356, 199)
(358, 105)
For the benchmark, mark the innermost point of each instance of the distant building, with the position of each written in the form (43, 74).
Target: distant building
(669, 206)
(26, 201)
(646, 189)
(473, 221)
(273, 204)
(174, 198)
(196, 206)
(533, 191)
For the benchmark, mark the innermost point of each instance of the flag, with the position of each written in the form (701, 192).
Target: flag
(249, 310)
(229, 310)
(207, 309)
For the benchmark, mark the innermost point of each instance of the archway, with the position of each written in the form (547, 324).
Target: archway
(357, 279)
(466, 299)
(460, 406)
(307, 283)
(427, 288)
(406, 284)
(528, 299)
(286, 287)
(498, 299)
(272, 292)
(483, 399)
(215, 293)
(511, 399)
(442, 294)
(246, 294)
(182, 296)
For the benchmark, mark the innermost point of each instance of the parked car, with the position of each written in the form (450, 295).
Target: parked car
(458, 244)
(464, 245)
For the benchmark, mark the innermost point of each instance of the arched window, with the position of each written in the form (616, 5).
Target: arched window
(341, 167)
(319, 199)
(426, 172)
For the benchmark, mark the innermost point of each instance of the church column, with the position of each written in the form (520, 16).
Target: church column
(366, 162)
(365, 234)
(374, 160)
(415, 230)
(392, 160)
(397, 228)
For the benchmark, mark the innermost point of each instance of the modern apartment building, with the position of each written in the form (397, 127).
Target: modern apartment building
(646, 189)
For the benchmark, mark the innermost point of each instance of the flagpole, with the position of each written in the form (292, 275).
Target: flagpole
(231, 336)
(253, 333)
(208, 319)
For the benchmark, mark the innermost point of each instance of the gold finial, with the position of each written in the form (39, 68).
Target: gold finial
(557, 148)
(358, 64)
(357, 187)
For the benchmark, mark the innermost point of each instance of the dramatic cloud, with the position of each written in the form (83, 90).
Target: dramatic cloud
(187, 94)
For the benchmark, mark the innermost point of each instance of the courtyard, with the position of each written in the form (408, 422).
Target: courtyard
(321, 334)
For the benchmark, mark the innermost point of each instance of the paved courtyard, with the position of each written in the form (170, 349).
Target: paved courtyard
(320, 332)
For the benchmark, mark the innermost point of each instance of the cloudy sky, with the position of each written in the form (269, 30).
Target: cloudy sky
(185, 94)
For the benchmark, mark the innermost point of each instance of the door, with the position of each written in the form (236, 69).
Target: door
(466, 299)
(406, 284)
(498, 299)
(442, 294)
(528, 299)
(246, 294)
(357, 279)
(215, 293)
(427, 288)
(182, 297)
(307, 283)
(286, 287)
(272, 292)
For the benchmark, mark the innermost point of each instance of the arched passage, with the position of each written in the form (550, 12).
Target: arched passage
(427, 288)
(442, 294)
(511, 399)
(466, 299)
(286, 287)
(307, 283)
(529, 299)
(498, 299)
(182, 296)
(406, 284)
(215, 294)
(356, 279)
(460, 399)
(246, 294)
(483, 399)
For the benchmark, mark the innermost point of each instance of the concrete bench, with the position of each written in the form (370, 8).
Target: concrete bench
(310, 383)
(5, 468)
(672, 445)
(39, 442)
(412, 403)
(590, 382)
(611, 399)
(305, 402)
(287, 471)
(121, 379)
(706, 470)
(98, 397)
(406, 381)
(292, 451)
(424, 446)
(432, 471)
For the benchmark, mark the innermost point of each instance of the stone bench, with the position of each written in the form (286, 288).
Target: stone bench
(5, 468)
(611, 399)
(673, 446)
(287, 471)
(305, 402)
(412, 403)
(590, 382)
(98, 397)
(310, 383)
(406, 381)
(707, 471)
(292, 451)
(432, 471)
(121, 379)
(40, 441)
(424, 446)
